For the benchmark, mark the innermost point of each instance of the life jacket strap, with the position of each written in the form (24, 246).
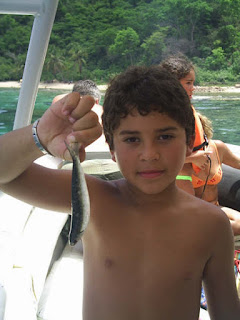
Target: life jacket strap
(202, 145)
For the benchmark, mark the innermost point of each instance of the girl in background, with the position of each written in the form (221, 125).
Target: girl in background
(183, 69)
(205, 182)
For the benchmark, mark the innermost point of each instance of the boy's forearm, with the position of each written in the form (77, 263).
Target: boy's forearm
(69, 119)
(18, 151)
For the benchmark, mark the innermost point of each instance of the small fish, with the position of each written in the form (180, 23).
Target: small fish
(80, 197)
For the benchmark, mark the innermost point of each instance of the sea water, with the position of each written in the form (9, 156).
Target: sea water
(222, 108)
(9, 100)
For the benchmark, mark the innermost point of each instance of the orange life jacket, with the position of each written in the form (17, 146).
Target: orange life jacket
(199, 137)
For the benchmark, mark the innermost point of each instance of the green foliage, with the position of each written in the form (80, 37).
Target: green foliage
(99, 38)
(125, 46)
(154, 46)
(5, 69)
(217, 60)
(209, 77)
(236, 63)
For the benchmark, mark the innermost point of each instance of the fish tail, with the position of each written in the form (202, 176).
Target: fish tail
(73, 148)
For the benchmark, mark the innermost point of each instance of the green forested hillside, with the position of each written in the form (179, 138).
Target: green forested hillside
(99, 38)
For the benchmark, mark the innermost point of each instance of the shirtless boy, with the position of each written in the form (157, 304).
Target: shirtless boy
(148, 245)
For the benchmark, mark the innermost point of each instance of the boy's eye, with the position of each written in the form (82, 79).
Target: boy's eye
(131, 139)
(164, 137)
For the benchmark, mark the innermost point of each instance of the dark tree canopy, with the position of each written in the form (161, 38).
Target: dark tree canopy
(99, 38)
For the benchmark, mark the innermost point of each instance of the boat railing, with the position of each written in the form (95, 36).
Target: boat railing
(44, 12)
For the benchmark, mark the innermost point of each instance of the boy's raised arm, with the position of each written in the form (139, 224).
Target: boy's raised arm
(17, 153)
(69, 119)
(219, 279)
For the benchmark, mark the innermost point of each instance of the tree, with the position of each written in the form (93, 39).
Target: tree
(154, 47)
(125, 45)
(78, 55)
(54, 62)
(217, 60)
(187, 18)
(102, 37)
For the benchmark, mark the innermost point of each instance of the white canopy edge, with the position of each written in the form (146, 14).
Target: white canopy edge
(30, 7)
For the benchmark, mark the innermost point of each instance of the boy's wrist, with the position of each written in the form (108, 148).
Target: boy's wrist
(36, 138)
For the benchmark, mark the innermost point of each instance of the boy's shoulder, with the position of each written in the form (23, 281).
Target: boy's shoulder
(102, 185)
(208, 223)
(202, 209)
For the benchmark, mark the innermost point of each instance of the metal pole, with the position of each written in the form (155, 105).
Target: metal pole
(37, 49)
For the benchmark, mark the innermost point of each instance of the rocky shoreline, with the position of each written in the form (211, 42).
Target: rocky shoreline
(68, 86)
(212, 89)
(45, 85)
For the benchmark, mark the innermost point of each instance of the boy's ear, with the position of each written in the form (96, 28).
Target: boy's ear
(113, 155)
(190, 146)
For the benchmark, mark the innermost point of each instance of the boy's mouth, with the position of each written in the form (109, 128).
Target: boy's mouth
(150, 174)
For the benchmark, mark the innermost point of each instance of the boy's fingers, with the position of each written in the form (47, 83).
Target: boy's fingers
(85, 137)
(58, 97)
(89, 120)
(82, 153)
(70, 102)
(76, 106)
(84, 106)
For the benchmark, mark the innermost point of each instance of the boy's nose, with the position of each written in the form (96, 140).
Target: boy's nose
(149, 153)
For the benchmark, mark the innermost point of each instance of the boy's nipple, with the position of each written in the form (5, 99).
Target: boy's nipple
(188, 276)
(108, 263)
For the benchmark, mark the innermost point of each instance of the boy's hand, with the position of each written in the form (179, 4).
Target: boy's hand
(70, 119)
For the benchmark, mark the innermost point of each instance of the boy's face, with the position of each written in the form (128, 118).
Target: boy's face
(150, 150)
(188, 83)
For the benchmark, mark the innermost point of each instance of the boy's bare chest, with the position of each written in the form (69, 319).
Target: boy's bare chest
(148, 241)
(143, 264)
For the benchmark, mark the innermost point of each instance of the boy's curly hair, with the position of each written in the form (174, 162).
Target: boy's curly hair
(146, 89)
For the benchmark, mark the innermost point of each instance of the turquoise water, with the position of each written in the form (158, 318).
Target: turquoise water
(224, 111)
(222, 108)
(8, 104)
